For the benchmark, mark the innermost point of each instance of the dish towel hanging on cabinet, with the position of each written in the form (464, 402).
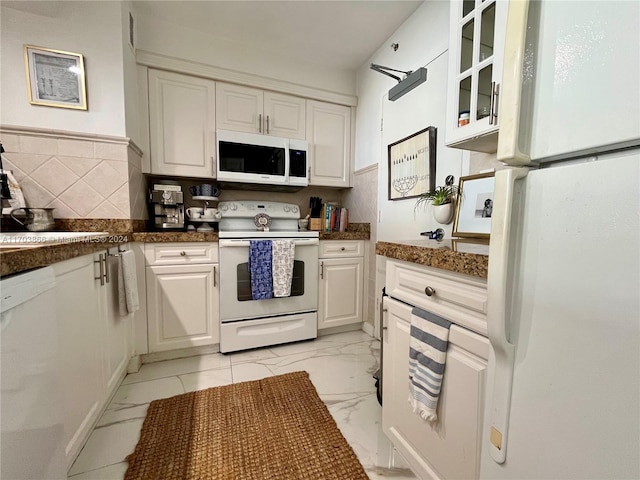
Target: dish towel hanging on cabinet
(284, 252)
(427, 356)
(128, 300)
(260, 269)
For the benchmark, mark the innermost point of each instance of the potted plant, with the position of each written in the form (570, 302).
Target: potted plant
(443, 200)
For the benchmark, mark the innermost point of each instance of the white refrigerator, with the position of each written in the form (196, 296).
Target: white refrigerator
(563, 391)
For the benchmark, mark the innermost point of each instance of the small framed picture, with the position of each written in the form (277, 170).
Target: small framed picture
(412, 165)
(55, 78)
(475, 206)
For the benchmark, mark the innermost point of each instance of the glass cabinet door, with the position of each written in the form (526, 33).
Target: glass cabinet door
(474, 66)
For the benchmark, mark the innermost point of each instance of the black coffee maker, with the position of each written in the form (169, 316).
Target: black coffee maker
(166, 207)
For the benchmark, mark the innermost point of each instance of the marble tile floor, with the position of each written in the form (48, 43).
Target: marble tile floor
(340, 366)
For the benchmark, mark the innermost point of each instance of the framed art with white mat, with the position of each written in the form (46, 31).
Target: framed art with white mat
(475, 206)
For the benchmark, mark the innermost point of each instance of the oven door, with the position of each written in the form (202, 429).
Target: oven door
(235, 282)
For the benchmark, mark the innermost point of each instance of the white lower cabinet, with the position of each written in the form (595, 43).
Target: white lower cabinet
(450, 447)
(95, 343)
(341, 283)
(118, 333)
(182, 295)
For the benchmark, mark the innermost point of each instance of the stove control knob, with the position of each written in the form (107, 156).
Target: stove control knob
(224, 207)
(286, 208)
(294, 209)
(233, 207)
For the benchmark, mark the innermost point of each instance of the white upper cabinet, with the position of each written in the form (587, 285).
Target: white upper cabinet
(246, 109)
(329, 139)
(476, 47)
(182, 125)
(285, 115)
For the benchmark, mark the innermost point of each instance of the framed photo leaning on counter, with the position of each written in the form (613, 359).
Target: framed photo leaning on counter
(475, 206)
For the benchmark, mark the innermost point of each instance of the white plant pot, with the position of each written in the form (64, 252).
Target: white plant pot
(443, 213)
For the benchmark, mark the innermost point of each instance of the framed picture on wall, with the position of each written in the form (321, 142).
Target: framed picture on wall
(412, 165)
(475, 206)
(55, 78)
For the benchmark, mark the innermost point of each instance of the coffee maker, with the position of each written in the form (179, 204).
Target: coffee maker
(166, 206)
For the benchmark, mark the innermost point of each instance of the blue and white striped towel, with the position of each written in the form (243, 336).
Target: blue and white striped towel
(427, 356)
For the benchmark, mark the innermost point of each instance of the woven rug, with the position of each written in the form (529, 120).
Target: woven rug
(274, 428)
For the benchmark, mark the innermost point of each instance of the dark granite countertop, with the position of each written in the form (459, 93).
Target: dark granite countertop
(470, 257)
(20, 259)
(15, 260)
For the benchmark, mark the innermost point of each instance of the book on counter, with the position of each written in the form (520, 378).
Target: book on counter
(335, 218)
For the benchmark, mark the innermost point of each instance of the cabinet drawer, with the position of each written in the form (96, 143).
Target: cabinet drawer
(459, 298)
(341, 248)
(180, 253)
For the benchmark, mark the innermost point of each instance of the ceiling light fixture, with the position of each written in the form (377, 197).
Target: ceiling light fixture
(410, 81)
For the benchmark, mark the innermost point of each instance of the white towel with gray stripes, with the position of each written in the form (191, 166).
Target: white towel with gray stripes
(427, 356)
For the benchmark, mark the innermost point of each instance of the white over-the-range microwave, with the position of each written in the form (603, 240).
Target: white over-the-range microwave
(253, 158)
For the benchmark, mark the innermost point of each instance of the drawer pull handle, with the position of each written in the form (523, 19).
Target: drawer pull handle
(183, 253)
(429, 291)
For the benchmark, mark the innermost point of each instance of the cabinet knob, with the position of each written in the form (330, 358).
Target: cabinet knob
(342, 249)
(429, 291)
(183, 254)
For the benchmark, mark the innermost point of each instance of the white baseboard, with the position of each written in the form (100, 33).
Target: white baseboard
(368, 329)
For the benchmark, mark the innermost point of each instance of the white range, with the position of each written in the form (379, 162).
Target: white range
(248, 323)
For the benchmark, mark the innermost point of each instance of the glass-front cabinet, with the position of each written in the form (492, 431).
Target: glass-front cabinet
(476, 45)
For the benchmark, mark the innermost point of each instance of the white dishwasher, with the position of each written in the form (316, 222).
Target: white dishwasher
(31, 440)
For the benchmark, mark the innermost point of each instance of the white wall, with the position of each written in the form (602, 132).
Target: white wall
(90, 28)
(161, 37)
(423, 41)
(133, 121)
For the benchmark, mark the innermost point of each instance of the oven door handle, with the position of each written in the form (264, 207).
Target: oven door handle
(245, 243)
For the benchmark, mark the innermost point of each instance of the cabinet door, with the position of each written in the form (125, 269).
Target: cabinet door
(341, 290)
(284, 115)
(117, 329)
(329, 138)
(80, 339)
(450, 448)
(476, 46)
(182, 305)
(239, 108)
(182, 125)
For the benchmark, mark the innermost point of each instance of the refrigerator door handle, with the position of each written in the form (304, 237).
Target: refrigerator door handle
(503, 350)
(511, 89)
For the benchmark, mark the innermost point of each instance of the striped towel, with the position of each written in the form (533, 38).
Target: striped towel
(260, 269)
(284, 252)
(427, 355)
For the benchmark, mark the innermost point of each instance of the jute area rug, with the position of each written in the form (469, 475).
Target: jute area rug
(274, 428)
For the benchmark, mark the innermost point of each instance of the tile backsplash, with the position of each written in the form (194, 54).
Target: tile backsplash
(79, 176)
